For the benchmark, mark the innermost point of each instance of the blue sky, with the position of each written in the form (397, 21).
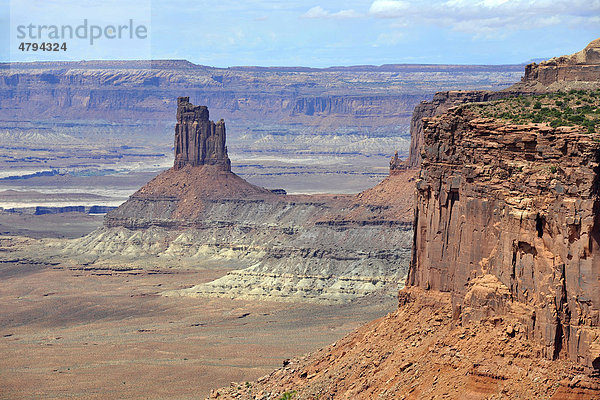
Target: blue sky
(336, 32)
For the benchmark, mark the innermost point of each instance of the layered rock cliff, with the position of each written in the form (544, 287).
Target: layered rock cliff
(577, 71)
(441, 103)
(366, 96)
(507, 221)
(504, 276)
(298, 248)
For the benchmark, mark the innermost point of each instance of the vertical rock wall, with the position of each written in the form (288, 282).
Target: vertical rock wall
(507, 219)
(199, 141)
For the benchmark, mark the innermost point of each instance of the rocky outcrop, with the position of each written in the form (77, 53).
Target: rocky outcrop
(397, 165)
(580, 70)
(507, 220)
(199, 141)
(504, 267)
(418, 352)
(441, 103)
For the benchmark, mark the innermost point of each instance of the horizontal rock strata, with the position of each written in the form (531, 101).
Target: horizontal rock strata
(441, 103)
(579, 68)
(363, 96)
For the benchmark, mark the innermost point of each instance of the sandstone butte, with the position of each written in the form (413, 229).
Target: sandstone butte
(310, 248)
(502, 298)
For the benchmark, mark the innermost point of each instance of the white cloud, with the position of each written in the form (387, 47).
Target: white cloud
(493, 3)
(389, 8)
(346, 14)
(487, 17)
(319, 12)
(316, 12)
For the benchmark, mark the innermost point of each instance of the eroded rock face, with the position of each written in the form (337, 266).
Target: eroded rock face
(441, 103)
(508, 220)
(199, 141)
(583, 66)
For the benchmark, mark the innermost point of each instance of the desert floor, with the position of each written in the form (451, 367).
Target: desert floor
(77, 333)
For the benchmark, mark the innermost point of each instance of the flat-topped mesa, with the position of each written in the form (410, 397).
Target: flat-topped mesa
(199, 141)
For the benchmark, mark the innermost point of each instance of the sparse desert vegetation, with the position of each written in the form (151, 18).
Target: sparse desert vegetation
(575, 107)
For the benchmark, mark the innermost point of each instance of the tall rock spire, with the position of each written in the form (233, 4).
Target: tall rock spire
(199, 141)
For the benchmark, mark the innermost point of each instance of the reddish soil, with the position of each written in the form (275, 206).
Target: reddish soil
(420, 352)
(396, 193)
(206, 181)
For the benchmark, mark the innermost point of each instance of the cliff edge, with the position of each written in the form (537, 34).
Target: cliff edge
(502, 299)
(578, 71)
(507, 220)
(503, 292)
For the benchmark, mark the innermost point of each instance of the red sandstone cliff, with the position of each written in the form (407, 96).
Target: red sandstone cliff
(503, 296)
(507, 220)
(581, 67)
(441, 103)
(503, 291)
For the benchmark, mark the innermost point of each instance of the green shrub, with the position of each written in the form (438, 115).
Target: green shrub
(288, 395)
